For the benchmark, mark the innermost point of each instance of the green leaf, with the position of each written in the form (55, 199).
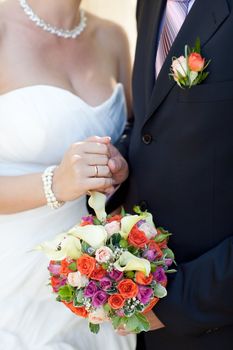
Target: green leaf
(112, 290)
(161, 237)
(115, 239)
(107, 308)
(128, 312)
(133, 250)
(123, 212)
(159, 263)
(197, 47)
(144, 323)
(129, 274)
(123, 243)
(137, 210)
(139, 307)
(72, 266)
(117, 321)
(169, 253)
(159, 291)
(137, 323)
(152, 267)
(79, 297)
(85, 246)
(171, 271)
(97, 222)
(94, 328)
(132, 323)
(66, 293)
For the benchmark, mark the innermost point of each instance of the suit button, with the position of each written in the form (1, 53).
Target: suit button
(147, 139)
(143, 205)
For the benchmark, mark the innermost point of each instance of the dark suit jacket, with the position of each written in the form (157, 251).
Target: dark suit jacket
(181, 162)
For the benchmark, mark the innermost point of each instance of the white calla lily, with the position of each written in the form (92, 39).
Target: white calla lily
(97, 202)
(127, 223)
(61, 247)
(129, 262)
(149, 219)
(94, 235)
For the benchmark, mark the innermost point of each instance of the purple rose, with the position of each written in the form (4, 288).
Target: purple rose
(105, 283)
(116, 275)
(144, 294)
(159, 275)
(54, 269)
(90, 289)
(149, 255)
(88, 219)
(168, 261)
(99, 298)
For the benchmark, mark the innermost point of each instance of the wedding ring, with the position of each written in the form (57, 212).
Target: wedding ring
(96, 171)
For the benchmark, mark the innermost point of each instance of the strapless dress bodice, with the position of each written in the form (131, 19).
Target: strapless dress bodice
(38, 124)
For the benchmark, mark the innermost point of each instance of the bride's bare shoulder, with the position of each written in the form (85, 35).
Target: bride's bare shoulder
(5, 15)
(110, 34)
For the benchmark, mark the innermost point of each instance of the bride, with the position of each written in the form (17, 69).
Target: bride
(58, 87)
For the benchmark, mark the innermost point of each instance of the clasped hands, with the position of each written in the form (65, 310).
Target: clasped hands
(91, 165)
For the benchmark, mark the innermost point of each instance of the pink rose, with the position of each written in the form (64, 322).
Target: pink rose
(103, 254)
(112, 227)
(179, 67)
(98, 316)
(148, 229)
(76, 279)
(195, 62)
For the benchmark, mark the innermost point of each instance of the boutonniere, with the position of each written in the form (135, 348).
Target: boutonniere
(189, 70)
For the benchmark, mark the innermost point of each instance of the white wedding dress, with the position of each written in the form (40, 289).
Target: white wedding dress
(37, 125)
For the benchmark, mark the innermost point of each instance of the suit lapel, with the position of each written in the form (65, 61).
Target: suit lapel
(203, 20)
(148, 20)
(155, 15)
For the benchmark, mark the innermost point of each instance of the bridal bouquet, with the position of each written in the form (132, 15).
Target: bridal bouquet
(110, 268)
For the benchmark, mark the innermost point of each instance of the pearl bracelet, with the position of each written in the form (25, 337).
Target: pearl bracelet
(47, 179)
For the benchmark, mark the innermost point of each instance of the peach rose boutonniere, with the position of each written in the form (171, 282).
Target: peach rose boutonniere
(189, 70)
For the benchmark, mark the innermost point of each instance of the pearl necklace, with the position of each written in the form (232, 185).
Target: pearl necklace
(67, 34)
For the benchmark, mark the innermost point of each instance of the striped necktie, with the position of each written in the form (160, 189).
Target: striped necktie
(175, 14)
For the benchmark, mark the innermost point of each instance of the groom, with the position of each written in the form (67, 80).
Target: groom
(181, 168)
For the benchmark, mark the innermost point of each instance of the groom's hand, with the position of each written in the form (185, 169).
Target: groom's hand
(117, 165)
(155, 323)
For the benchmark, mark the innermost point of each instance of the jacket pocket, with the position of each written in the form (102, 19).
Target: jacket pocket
(204, 93)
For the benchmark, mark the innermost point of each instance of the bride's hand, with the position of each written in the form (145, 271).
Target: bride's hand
(84, 167)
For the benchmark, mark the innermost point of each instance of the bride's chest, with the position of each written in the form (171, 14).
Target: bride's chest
(39, 123)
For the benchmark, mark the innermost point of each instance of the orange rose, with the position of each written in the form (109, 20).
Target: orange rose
(195, 62)
(154, 246)
(116, 301)
(137, 238)
(64, 269)
(80, 311)
(115, 218)
(86, 264)
(141, 278)
(127, 288)
(151, 305)
(98, 273)
(55, 283)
